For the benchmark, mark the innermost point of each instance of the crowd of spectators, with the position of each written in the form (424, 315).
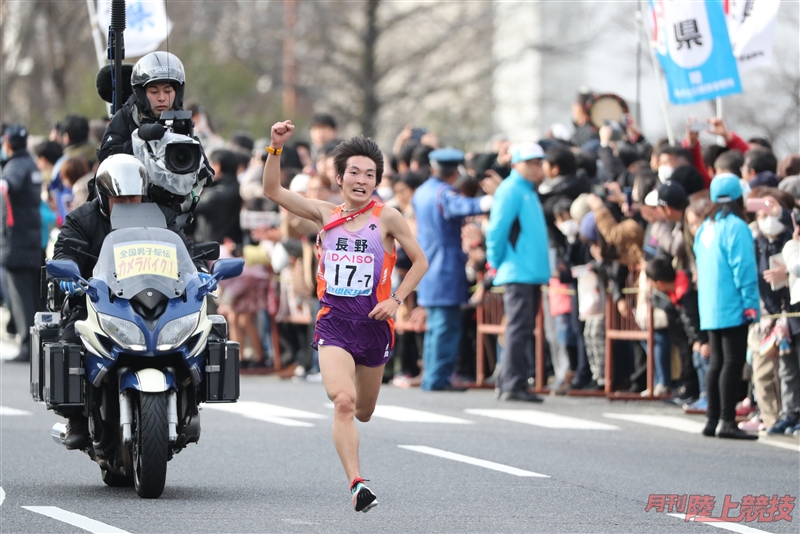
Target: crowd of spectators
(619, 218)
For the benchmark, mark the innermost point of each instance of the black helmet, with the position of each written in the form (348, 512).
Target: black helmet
(158, 67)
(119, 175)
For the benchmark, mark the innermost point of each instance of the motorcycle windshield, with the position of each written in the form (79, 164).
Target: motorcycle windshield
(133, 259)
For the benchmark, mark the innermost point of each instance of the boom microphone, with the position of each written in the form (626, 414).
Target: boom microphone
(103, 83)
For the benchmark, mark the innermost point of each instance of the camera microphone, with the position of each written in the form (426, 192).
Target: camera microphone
(103, 83)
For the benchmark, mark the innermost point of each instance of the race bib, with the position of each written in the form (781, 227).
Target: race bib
(349, 274)
(145, 258)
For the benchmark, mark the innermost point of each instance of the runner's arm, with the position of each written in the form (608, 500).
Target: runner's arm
(313, 210)
(397, 227)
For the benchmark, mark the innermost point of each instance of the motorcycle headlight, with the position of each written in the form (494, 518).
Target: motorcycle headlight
(177, 331)
(125, 333)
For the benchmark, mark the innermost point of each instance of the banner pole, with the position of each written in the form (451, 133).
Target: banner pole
(99, 49)
(659, 84)
(639, 19)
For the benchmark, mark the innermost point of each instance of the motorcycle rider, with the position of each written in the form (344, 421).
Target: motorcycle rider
(120, 179)
(158, 82)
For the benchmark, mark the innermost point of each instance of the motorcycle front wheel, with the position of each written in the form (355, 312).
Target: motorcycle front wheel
(150, 436)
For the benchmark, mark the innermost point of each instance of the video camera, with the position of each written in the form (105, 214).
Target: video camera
(172, 157)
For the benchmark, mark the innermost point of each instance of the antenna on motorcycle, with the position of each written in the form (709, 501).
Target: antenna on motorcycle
(207, 251)
(76, 245)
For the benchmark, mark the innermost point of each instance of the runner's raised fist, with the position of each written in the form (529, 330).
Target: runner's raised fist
(280, 133)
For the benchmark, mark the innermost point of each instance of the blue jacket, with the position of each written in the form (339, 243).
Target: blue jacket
(516, 240)
(440, 212)
(727, 275)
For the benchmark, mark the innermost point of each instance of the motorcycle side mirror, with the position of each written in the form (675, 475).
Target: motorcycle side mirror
(206, 251)
(64, 270)
(227, 268)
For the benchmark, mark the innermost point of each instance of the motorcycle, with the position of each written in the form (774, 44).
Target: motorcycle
(150, 353)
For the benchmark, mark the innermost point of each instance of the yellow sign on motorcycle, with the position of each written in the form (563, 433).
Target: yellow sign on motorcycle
(160, 259)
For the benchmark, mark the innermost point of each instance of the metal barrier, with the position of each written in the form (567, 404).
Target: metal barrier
(625, 328)
(489, 316)
(490, 319)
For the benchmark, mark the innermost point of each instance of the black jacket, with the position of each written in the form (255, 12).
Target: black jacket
(88, 224)
(117, 138)
(569, 187)
(217, 212)
(682, 311)
(21, 242)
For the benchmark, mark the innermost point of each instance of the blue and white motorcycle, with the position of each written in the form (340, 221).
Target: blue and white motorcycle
(149, 353)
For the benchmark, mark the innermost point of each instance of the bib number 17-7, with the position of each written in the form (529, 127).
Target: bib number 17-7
(349, 274)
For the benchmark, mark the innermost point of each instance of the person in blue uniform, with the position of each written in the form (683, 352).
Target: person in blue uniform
(440, 212)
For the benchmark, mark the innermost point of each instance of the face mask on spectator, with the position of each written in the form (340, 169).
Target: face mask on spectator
(665, 173)
(770, 226)
(569, 228)
(386, 193)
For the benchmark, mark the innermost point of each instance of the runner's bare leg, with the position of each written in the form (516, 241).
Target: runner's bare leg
(368, 385)
(338, 376)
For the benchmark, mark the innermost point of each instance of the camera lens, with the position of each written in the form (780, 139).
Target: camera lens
(182, 158)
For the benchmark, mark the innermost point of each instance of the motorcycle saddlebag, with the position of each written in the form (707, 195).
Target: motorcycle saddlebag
(222, 372)
(63, 375)
(44, 330)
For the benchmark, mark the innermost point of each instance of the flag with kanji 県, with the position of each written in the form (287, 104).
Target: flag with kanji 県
(146, 24)
(691, 41)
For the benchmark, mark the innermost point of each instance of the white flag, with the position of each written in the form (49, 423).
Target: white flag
(146, 24)
(751, 25)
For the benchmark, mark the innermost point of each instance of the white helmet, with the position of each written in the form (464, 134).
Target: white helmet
(120, 175)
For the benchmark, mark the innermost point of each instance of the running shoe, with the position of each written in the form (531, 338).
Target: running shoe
(363, 498)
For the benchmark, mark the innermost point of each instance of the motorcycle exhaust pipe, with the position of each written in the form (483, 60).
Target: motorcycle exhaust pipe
(59, 433)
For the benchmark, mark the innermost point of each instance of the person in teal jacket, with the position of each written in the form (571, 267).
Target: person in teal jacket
(517, 246)
(728, 300)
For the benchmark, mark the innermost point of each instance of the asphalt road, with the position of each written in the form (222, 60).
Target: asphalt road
(267, 464)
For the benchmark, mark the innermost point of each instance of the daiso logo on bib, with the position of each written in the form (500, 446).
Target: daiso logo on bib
(352, 258)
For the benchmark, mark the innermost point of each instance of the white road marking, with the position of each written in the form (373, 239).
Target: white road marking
(665, 421)
(683, 424)
(76, 520)
(733, 527)
(5, 410)
(270, 413)
(780, 442)
(472, 461)
(409, 415)
(544, 419)
(2, 496)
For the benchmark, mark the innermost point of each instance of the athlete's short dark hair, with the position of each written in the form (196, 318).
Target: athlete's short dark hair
(358, 146)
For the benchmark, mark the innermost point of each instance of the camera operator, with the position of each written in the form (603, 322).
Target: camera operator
(157, 81)
(121, 179)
